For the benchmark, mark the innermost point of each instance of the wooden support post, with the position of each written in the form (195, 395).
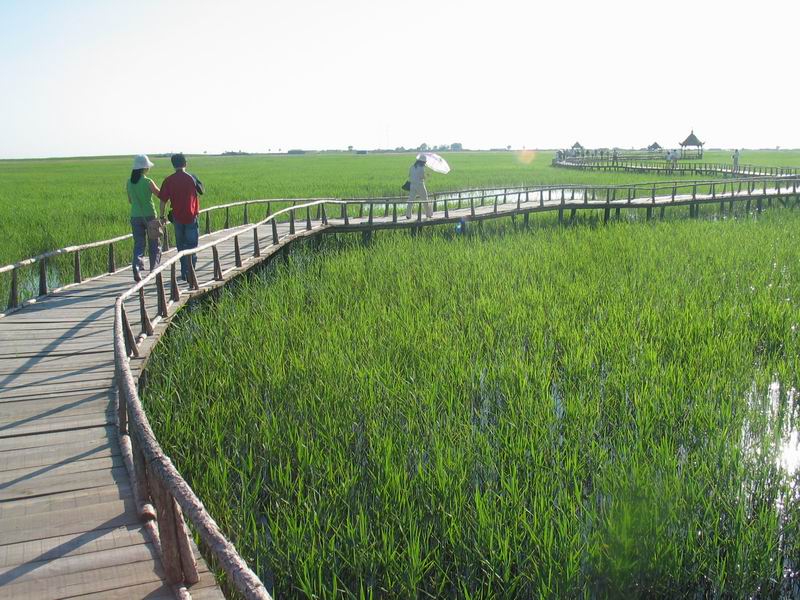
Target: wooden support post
(495, 205)
(13, 297)
(649, 212)
(237, 253)
(208, 222)
(616, 212)
(127, 334)
(246, 215)
(661, 212)
(165, 242)
(446, 209)
(572, 213)
(291, 222)
(169, 528)
(274, 232)
(525, 219)
(360, 210)
(369, 218)
(308, 218)
(759, 205)
(227, 218)
(147, 326)
(459, 200)
(191, 276)
(146, 510)
(366, 236)
(472, 205)
(174, 290)
(394, 212)
(78, 276)
(344, 214)
(419, 211)
(217, 265)
(256, 243)
(112, 263)
(324, 214)
(561, 211)
(162, 296)
(43, 277)
(606, 213)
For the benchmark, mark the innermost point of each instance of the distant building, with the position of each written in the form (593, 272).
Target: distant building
(296, 151)
(577, 146)
(692, 147)
(654, 147)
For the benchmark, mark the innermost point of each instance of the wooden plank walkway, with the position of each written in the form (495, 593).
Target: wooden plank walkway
(69, 526)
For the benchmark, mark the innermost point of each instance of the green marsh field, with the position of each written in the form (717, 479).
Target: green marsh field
(574, 412)
(581, 411)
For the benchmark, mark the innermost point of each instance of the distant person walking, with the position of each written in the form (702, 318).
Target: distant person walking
(416, 177)
(673, 159)
(181, 189)
(144, 224)
(735, 158)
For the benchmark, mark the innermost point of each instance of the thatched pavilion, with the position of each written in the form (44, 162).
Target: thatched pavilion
(654, 147)
(692, 147)
(577, 146)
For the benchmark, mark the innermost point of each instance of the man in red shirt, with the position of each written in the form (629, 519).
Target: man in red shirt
(180, 189)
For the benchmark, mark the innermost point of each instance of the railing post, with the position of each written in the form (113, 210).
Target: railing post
(13, 298)
(274, 233)
(147, 326)
(43, 277)
(237, 253)
(174, 290)
(162, 296)
(369, 219)
(208, 222)
(246, 214)
(165, 244)
(78, 277)
(308, 218)
(256, 243)
(344, 214)
(217, 265)
(112, 263)
(472, 205)
(127, 334)
(494, 210)
(177, 567)
(324, 214)
(394, 212)
(291, 222)
(192, 275)
(446, 209)
(227, 218)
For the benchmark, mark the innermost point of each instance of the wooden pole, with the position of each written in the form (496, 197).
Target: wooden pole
(217, 265)
(112, 264)
(13, 298)
(162, 296)
(78, 277)
(192, 276)
(174, 290)
(291, 222)
(237, 253)
(43, 277)
(274, 233)
(127, 333)
(256, 243)
(147, 326)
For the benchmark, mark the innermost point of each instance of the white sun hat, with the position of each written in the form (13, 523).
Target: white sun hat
(141, 161)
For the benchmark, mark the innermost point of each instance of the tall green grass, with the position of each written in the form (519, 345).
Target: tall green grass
(558, 412)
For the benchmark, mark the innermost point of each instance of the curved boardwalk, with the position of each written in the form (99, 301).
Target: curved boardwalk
(70, 521)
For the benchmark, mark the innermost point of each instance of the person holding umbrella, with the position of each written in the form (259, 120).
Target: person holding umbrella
(416, 177)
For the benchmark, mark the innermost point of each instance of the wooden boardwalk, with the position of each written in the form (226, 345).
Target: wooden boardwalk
(70, 525)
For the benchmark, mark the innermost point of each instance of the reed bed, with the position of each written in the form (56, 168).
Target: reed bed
(553, 412)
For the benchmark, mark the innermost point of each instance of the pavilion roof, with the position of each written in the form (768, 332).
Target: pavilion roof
(577, 146)
(692, 140)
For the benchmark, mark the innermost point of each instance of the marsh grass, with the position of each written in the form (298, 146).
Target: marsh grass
(556, 412)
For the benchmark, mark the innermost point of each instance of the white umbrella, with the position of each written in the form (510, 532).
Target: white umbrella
(434, 162)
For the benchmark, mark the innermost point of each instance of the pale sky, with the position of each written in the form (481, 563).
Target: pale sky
(92, 77)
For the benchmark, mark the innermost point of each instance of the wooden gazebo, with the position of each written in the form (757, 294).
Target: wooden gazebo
(654, 147)
(692, 147)
(577, 146)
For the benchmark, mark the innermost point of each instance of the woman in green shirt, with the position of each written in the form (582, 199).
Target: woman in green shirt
(144, 223)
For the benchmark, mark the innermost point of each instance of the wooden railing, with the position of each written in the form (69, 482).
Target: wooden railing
(664, 166)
